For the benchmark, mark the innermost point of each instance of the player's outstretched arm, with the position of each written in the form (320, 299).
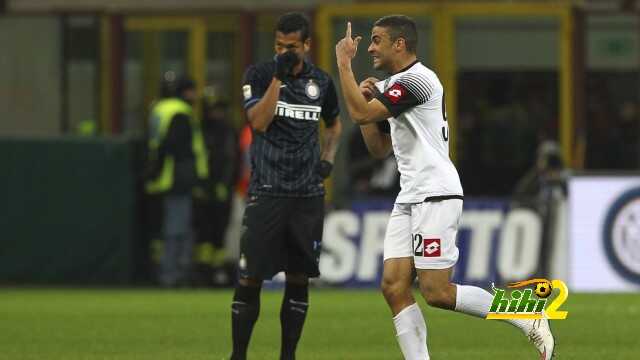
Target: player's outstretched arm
(360, 111)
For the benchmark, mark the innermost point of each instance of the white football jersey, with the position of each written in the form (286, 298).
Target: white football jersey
(420, 134)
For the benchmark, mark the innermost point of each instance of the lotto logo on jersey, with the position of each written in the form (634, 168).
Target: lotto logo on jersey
(426, 247)
(395, 93)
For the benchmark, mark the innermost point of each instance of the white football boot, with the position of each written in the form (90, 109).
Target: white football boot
(540, 335)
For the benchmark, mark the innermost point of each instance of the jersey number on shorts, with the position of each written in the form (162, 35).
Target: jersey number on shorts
(445, 129)
(426, 247)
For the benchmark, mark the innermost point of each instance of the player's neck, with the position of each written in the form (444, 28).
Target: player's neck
(403, 63)
(297, 69)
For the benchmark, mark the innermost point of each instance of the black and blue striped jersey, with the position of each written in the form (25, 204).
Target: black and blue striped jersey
(284, 158)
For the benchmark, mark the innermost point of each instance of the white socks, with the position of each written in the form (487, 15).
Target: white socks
(476, 301)
(411, 332)
(411, 329)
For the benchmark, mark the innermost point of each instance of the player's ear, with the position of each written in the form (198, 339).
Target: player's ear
(307, 45)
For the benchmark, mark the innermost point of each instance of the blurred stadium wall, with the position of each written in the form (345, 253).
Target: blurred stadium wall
(77, 78)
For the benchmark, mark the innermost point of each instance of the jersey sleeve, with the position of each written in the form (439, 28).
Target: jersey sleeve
(330, 107)
(254, 85)
(409, 90)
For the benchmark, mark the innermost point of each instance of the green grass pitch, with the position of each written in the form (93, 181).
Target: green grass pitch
(49, 324)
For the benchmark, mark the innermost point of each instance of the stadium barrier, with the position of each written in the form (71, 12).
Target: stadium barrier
(70, 211)
(66, 211)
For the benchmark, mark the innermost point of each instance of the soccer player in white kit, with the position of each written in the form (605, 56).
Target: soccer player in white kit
(406, 113)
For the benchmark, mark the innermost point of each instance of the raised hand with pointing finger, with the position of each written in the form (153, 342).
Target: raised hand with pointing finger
(347, 47)
(360, 100)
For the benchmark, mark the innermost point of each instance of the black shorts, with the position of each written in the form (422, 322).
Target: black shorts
(281, 234)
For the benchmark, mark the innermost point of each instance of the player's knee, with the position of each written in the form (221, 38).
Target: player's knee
(247, 297)
(393, 290)
(297, 279)
(250, 282)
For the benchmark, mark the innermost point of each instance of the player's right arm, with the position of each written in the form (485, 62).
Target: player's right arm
(261, 90)
(376, 136)
(261, 114)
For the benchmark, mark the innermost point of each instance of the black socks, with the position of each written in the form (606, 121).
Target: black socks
(292, 315)
(245, 309)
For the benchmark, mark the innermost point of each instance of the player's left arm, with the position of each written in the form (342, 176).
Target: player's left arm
(332, 130)
(333, 125)
(360, 110)
(330, 140)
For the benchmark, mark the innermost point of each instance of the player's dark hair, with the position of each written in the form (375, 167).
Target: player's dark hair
(400, 26)
(293, 22)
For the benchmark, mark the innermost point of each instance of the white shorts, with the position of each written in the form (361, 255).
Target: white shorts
(425, 231)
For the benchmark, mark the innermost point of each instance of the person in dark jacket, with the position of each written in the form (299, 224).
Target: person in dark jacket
(213, 198)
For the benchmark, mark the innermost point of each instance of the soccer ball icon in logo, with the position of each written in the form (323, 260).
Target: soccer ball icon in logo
(543, 289)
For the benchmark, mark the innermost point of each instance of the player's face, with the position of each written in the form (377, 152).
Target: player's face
(380, 48)
(292, 42)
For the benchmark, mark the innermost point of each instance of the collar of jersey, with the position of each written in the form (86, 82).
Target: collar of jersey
(407, 67)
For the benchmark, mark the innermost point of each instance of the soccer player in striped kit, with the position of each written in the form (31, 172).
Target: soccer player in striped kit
(284, 99)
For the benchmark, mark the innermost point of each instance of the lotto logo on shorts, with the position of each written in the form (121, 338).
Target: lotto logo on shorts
(431, 247)
(426, 247)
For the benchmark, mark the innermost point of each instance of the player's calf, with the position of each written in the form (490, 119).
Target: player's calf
(293, 313)
(245, 310)
(436, 288)
(397, 282)
(443, 298)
